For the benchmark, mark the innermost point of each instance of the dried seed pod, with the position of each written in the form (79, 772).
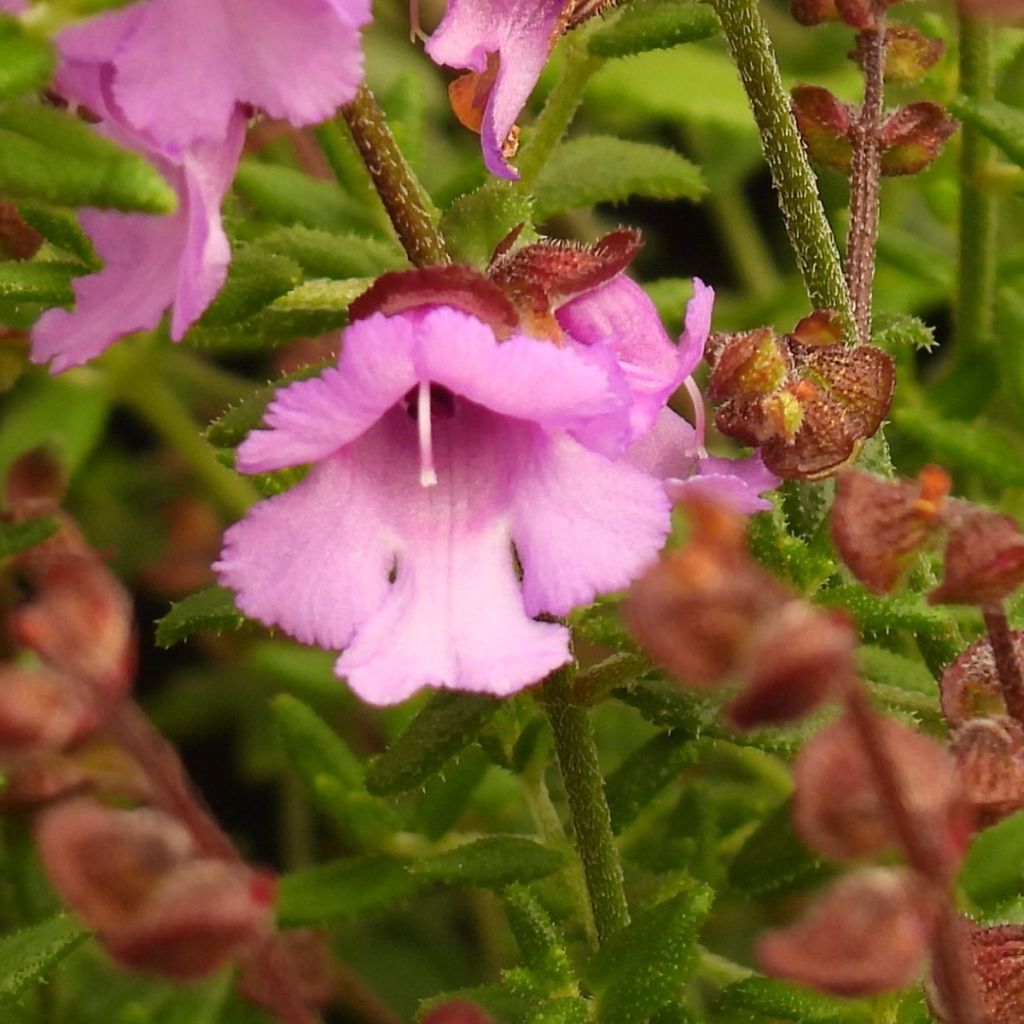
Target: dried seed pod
(803, 657)
(998, 957)
(989, 754)
(837, 809)
(693, 610)
(825, 126)
(909, 53)
(748, 365)
(869, 933)
(969, 687)
(913, 137)
(40, 710)
(878, 525)
(822, 327)
(984, 560)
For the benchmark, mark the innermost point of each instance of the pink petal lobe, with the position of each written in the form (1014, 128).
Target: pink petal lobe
(582, 524)
(696, 327)
(522, 33)
(737, 483)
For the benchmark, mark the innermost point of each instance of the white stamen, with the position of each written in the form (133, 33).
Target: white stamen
(428, 476)
(698, 415)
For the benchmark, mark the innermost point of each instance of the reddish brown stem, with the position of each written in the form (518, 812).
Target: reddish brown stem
(866, 178)
(949, 943)
(1008, 667)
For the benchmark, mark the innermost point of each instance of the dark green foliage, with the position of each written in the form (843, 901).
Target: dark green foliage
(210, 609)
(27, 956)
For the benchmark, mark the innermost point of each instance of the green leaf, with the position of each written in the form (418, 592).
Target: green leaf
(47, 283)
(994, 456)
(669, 707)
(17, 537)
(645, 773)
(254, 280)
(773, 856)
(620, 669)
(26, 62)
(641, 968)
(1001, 123)
(540, 942)
(210, 609)
(343, 890)
(993, 871)
(61, 229)
(476, 222)
(880, 616)
(491, 863)
(26, 957)
(447, 794)
(599, 169)
(331, 773)
(881, 665)
(50, 155)
(333, 255)
(654, 25)
(779, 1000)
(895, 329)
(446, 724)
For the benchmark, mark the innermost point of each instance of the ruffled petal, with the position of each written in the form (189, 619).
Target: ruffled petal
(696, 327)
(522, 33)
(582, 524)
(315, 560)
(737, 483)
(382, 358)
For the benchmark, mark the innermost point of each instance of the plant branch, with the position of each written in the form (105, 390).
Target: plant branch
(410, 208)
(810, 235)
(1008, 668)
(866, 178)
(591, 819)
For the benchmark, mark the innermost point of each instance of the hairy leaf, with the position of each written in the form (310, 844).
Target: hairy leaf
(780, 1000)
(476, 222)
(336, 255)
(255, 279)
(1001, 123)
(492, 862)
(47, 283)
(210, 609)
(26, 957)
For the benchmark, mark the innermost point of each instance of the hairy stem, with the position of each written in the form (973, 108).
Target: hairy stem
(411, 211)
(866, 178)
(591, 819)
(559, 110)
(977, 272)
(1011, 678)
(949, 946)
(809, 232)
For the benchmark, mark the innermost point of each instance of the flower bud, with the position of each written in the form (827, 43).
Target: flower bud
(989, 754)
(984, 561)
(913, 137)
(35, 484)
(459, 1011)
(748, 365)
(39, 710)
(802, 658)
(997, 956)
(822, 327)
(869, 933)
(80, 622)
(970, 688)
(878, 525)
(837, 809)
(825, 125)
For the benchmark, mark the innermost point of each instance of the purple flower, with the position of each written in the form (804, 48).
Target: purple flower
(435, 449)
(179, 68)
(620, 320)
(521, 33)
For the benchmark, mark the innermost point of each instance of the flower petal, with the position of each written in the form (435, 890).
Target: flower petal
(737, 483)
(582, 524)
(522, 33)
(668, 449)
(696, 327)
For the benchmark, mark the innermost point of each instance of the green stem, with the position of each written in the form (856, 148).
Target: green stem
(559, 110)
(141, 386)
(591, 819)
(977, 278)
(808, 228)
(411, 210)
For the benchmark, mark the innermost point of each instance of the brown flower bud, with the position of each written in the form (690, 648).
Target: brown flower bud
(802, 658)
(203, 915)
(822, 327)
(39, 710)
(813, 12)
(35, 484)
(878, 525)
(693, 610)
(997, 954)
(984, 561)
(80, 622)
(453, 285)
(825, 125)
(748, 365)
(837, 809)
(913, 137)
(909, 53)
(459, 1011)
(869, 933)
(989, 754)
(970, 688)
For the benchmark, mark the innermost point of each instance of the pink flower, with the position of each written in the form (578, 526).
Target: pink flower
(521, 33)
(13, 6)
(620, 320)
(179, 68)
(151, 263)
(435, 449)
